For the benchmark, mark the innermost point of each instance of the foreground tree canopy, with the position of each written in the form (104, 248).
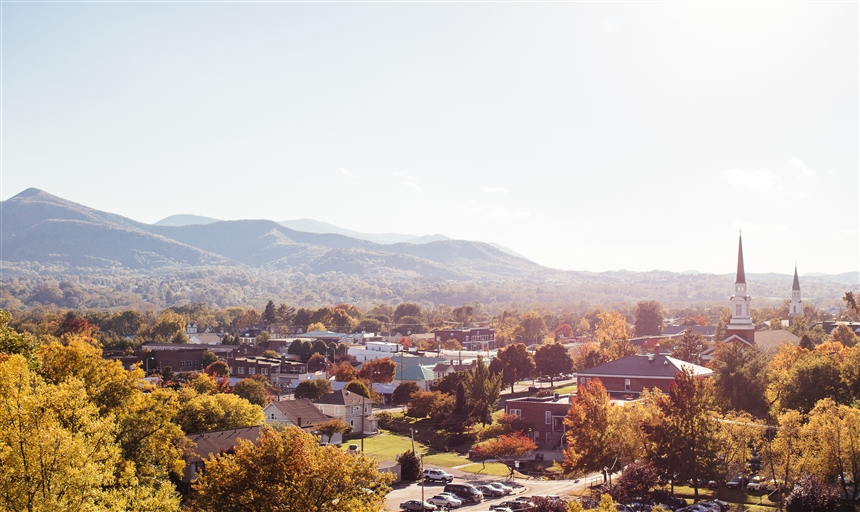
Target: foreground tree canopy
(290, 471)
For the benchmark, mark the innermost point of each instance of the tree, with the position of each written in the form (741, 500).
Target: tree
(812, 494)
(649, 318)
(221, 411)
(637, 480)
(381, 370)
(563, 331)
(737, 436)
(686, 438)
(421, 403)
(532, 326)
(169, 327)
(402, 392)
(316, 326)
(587, 431)
(208, 357)
(251, 390)
(449, 383)
(218, 369)
(317, 363)
(12, 342)
(611, 333)
(284, 314)
(784, 453)
(482, 391)
(410, 309)
(813, 376)
(270, 314)
(514, 363)
(359, 388)
(843, 334)
(506, 448)
(59, 453)
(832, 439)
(689, 347)
(329, 428)
(740, 378)
(289, 470)
(313, 389)
(552, 360)
(463, 314)
(345, 372)
(410, 466)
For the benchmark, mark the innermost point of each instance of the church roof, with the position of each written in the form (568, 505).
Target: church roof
(646, 366)
(741, 276)
(796, 285)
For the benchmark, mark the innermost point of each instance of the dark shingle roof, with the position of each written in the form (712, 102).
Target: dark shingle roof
(704, 330)
(342, 397)
(220, 441)
(301, 412)
(660, 366)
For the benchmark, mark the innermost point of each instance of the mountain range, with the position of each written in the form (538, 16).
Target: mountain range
(54, 251)
(37, 226)
(316, 226)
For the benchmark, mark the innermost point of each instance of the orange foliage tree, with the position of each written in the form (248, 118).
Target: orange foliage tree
(506, 448)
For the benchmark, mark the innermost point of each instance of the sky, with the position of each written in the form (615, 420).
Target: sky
(584, 136)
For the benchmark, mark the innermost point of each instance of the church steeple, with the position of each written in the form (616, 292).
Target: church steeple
(741, 324)
(741, 278)
(795, 307)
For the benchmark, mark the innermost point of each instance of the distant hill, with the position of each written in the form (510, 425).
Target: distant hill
(185, 220)
(38, 226)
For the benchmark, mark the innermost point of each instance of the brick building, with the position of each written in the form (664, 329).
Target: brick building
(628, 376)
(474, 338)
(544, 415)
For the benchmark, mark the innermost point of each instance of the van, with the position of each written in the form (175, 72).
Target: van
(468, 492)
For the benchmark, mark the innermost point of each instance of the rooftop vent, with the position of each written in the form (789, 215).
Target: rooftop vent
(651, 357)
(555, 397)
(665, 363)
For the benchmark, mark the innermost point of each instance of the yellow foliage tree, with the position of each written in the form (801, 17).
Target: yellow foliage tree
(289, 470)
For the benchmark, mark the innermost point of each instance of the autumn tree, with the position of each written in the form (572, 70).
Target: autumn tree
(532, 326)
(289, 470)
(513, 363)
(403, 390)
(740, 378)
(329, 428)
(345, 372)
(587, 433)
(738, 434)
(360, 388)
(783, 455)
(422, 403)
(551, 360)
(689, 348)
(832, 438)
(506, 448)
(637, 480)
(169, 327)
(812, 494)
(218, 369)
(409, 309)
(251, 390)
(381, 370)
(313, 389)
(563, 331)
(611, 334)
(649, 318)
(13, 342)
(220, 411)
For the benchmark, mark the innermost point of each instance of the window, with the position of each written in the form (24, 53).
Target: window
(241, 370)
(264, 371)
(626, 384)
(516, 412)
(252, 370)
(352, 423)
(356, 409)
(537, 435)
(738, 310)
(547, 417)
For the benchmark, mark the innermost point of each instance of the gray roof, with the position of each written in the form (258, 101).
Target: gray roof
(342, 397)
(301, 412)
(658, 367)
(704, 330)
(220, 441)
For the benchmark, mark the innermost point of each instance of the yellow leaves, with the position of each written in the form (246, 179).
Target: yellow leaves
(289, 470)
(204, 413)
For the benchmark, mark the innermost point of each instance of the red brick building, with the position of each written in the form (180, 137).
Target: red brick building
(544, 416)
(475, 338)
(628, 376)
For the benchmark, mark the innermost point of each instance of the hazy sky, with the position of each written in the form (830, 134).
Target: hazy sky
(585, 136)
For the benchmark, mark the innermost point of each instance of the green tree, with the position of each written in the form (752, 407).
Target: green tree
(689, 348)
(649, 318)
(552, 360)
(270, 313)
(482, 391)
(359, 388)
(409, 309)
(843, 334)
(514, 363)
(284, 315)
(403, 390)
(740, 378)
(532, 327)
(289, 470)
(410, 466)
(251, 390)
(208, 357)
(313, 389)
(169, 327)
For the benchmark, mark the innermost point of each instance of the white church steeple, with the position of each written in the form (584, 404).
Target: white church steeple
(741, 323)
(795, 307)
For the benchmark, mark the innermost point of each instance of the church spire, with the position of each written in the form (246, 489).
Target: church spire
(741, 277)
(796, 285)
(795, 306)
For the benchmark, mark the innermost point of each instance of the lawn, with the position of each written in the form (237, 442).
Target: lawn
(387, 446)
(729, 495)
(491, 468)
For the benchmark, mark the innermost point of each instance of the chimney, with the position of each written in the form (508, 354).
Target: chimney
(555, 397)
(300, 422)
(656, 349)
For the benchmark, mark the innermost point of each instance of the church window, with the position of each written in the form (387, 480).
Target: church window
(737, 310)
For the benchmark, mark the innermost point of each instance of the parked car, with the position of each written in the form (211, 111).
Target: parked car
(506, 488)
(518, 505)
(466, 492)
(446, 500)
(500, 509)
(734, 483)
(720, 505)
(438, 475)
(353, 448)
(756, 484)
(417, 505)
(489, 491)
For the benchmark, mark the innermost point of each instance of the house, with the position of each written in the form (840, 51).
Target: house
(443, 369)
(473, 338)
(242, 367)
(352, 408)
(325, 336)
(180, 357)
(211, 443)
(300, 412)
(374, 350)
(628, 376)
(544, 416)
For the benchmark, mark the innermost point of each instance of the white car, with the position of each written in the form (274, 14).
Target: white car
(756, 484)
(438, 475)
(503, 487)
(441, 500)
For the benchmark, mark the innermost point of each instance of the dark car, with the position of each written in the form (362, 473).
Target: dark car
(467, 492)
(490, 492)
